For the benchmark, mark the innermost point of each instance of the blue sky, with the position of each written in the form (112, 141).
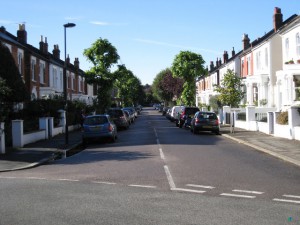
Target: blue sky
(148, 34)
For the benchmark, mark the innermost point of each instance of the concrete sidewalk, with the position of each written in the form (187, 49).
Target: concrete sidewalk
(43, 151)
(285, 149)
(40, 152)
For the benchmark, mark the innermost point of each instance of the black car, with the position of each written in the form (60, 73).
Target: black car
(119, 117)
(205, 121)
(185, 113)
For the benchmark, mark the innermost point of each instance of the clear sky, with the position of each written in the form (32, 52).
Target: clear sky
(148, 34)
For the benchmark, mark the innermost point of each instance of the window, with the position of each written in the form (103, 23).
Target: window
(42, 73)
(258, 62)
(54, 77)
(79, 84)
(255, 94)
(266, 58)
(33, 62)
(287, 46)
(20, 59)
(297, 87)
(298, 44)
(248, 65)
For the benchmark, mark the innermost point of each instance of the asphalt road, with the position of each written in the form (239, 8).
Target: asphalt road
(155, 173)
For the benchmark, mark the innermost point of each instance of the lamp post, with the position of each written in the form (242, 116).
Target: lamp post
(68, 25)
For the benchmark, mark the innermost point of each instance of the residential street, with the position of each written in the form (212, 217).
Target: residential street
(155, 173)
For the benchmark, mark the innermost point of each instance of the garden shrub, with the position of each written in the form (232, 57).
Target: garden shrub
(283, 118)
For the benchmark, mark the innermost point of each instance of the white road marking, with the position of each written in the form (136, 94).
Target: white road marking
(188, 190)
(62, 179)
(249, 192)
(286, 200)
(200, 186)
(143, 186)
(291, 196)
(103, 182)
(238, 196)
(169, 177)
(162, 156)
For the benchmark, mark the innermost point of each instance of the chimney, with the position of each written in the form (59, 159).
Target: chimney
(233, 52)
(277, 18)
(45, 49)
(246, 41)
(211, 66)
(2, 29)
(76, 63)
(22, 34)
(56, 52)
(68, 59)
(217, 63)
(225, 57)
(42, 44)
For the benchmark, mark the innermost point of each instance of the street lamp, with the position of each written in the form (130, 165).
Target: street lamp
(68, 25)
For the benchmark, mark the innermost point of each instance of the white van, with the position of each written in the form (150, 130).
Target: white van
(176, 110)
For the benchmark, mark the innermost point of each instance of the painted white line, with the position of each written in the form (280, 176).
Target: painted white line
(199, 186)
(157, 141)
(162, 156)
(36, 178)
(188, 190)
(65, 179)
(103, 182)
(249, 192)
(291, 196)
(142, 186)
(238, 196)
(10, 177)
(169, 177)
(285, 200)
(155, 133)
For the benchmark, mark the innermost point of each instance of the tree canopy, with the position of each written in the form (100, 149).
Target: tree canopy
(103, 55)
(230, 92)
(11, 79)
(188, 66)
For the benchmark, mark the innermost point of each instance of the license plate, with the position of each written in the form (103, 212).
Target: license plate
(207, 126)
(96, 128)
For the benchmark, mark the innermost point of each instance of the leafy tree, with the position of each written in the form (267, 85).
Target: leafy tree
(188, 66)
(13, 80)
(103, 55)
(230, 92)
(166, 87)
(128, 85)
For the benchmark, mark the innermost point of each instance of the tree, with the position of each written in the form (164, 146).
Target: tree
(12, 78)
(166, 87)
(103, 55)
(128, 85)
(230, 91)
(188, 66)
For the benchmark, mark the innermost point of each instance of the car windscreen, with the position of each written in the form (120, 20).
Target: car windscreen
(96, 120)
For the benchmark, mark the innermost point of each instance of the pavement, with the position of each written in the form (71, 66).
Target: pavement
(41, 152)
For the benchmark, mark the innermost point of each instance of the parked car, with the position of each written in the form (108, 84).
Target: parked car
(185, 113)
(205, 121)
(165, 109)
(98, 127)
(175, 113)
(119, 117)
(131, 114)
(168, 114)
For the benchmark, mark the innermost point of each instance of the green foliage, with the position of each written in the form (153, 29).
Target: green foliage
(188, 66)
(230, 92)
(215, 103)
(103, 55)
(13, 80)
(129, 86)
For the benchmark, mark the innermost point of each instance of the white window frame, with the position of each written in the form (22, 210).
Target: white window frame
(298, 44)
(33, 65)
(266, 57)
(287, 48)
(42, 72)
(20, 61)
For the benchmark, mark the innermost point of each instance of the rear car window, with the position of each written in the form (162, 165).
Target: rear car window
(115, 113)
(212, 116)
(96, 120)
(191, 111)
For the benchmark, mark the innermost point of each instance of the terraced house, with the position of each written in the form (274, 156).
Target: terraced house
(42, 71)
(269, 66)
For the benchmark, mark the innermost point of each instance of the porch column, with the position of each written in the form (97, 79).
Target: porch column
(2, 138)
